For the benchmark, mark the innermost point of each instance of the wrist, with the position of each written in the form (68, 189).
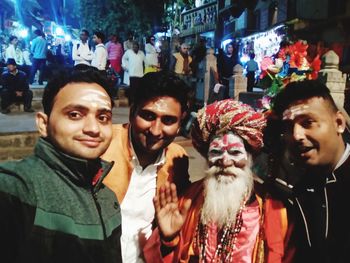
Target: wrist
(170, 241)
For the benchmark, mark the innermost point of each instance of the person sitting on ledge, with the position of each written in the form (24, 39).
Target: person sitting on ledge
(15, 88)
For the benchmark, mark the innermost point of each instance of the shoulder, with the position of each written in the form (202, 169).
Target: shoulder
(5, 74)
(22, 73)
(175, 150)
(17, 177)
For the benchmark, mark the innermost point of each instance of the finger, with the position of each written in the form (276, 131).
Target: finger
(162, 198)
(186, 207)
(156, 203)
(168, 193)
(173, 193)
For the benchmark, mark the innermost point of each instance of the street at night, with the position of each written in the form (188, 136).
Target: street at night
(174, 131)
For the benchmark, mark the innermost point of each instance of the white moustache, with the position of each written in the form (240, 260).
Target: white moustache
(224, 193)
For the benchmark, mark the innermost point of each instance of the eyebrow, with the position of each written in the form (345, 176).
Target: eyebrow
(231, 145)
(84, 108)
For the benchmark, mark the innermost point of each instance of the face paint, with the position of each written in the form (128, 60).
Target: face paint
(228, 146)
(294, 111)
(161, 105)
(97, 99)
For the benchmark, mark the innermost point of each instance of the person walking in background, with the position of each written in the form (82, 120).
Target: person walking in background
(99, 59)
(82, 51)
(151, 60)
(129, 42)
(115, 53)
(11, 49)
(39, 51)
(226, 61)
(251, 68)
(133, 63)
(180, 64)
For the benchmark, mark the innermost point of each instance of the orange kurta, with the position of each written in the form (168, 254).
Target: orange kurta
(269, 246)
(175, 168)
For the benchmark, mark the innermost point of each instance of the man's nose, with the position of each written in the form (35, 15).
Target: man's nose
(298, 132)
(226, 161)
(156, 127)
(91, 125)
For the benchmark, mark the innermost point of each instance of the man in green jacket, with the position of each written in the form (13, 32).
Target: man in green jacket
(54, 206)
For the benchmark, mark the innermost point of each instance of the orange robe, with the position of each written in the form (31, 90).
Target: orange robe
(269, 245)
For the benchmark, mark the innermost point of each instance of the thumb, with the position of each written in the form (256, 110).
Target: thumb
(185, 208)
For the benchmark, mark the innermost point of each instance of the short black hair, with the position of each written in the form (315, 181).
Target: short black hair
(301, 90)
(38, 32)
(12, 38)
(100, 35)
(86, 32)
(90, 75)
(158, 84)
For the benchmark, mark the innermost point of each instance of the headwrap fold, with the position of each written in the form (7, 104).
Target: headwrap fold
(228, 115)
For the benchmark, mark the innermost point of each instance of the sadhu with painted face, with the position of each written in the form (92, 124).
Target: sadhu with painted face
(221, 218)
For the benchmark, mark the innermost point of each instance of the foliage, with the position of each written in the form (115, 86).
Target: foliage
(117, 16)
(290, 64)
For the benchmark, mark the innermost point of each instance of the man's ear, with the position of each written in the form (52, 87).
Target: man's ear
(41, 120)
(340, 122)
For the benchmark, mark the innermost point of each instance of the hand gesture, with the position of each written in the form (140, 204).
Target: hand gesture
(169, 215)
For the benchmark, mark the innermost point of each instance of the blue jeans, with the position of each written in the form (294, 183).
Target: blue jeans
(38, 64)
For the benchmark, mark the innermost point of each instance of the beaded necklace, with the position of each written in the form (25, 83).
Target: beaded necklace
(227, 244)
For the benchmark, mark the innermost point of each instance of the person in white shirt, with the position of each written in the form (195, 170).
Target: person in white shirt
(152, 52)
(133, 63)
(11, 49)
(82, 51)
(99, 59)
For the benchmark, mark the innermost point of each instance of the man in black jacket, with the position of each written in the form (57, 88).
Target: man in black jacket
(15, 88)
(312, 130)
(54, 205)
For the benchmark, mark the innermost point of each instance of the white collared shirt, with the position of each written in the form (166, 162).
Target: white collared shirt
(99, 59)
(83, 54)
(137, 209)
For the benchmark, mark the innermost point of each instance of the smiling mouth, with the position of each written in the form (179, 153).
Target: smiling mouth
(90, 143)
(305, 150)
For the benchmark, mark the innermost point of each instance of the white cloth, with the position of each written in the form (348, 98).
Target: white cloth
(10, 52)
(26, 57)
(151, 55)
(133, 63)
(99, 59)
(137, 209)
(217, 87)
(15, 53)
(82, 55)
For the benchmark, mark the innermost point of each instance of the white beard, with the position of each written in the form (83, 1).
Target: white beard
(224, 194)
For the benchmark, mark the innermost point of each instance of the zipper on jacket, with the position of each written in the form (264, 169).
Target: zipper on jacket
(305, 222)
(327, 215)
(94, 196)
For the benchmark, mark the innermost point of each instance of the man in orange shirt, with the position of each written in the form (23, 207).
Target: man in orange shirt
(145, 156)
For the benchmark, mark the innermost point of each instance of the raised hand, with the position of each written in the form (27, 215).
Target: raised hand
(169, 215)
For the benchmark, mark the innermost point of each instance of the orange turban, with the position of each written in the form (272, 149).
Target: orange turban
(228, 115)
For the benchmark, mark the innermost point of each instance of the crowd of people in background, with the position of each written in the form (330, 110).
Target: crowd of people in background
(125, 62)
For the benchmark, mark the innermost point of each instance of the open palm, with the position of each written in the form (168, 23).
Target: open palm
(169, 215)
